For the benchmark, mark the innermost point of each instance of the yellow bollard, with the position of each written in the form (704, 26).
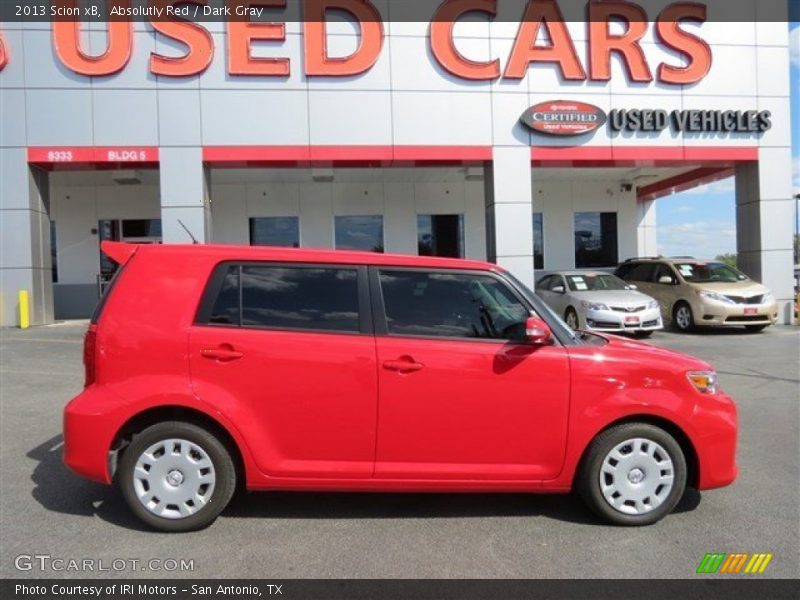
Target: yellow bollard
(24, 310)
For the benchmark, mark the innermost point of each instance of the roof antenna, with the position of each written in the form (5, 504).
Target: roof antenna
(186, 229)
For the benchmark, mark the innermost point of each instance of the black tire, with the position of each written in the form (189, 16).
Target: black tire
(572, 312)
(676, 322)
(224, 472)
(588, 477)
(755, 328)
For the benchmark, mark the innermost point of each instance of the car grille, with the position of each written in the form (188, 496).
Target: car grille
(650, 323)
(743, 300)
(748, 319)
(628, 309)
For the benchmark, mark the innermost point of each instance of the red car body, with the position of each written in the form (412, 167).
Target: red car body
(315, 410)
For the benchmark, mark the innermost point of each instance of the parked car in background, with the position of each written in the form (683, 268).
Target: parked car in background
(210, 367)
(600, 301)
(697, 293)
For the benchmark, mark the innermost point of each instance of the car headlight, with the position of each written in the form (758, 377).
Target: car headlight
(704, 382)
(767, 298)
(594, 305)
(652, 304)
(715, 296)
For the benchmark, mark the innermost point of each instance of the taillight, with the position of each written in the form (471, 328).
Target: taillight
(89, 352)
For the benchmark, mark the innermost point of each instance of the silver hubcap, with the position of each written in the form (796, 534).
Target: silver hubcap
(684, 317)
(174, 478)
(572, 320)
(636, 476)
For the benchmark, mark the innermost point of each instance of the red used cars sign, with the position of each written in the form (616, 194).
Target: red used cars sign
(563, 117)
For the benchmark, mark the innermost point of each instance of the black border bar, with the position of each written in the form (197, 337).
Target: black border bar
(41, 11)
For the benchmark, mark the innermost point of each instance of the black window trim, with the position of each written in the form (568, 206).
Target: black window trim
(217, 280)
(379, 307)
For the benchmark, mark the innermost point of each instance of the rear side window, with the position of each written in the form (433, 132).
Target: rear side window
(451, 305)
(285, 297)
(640, 272)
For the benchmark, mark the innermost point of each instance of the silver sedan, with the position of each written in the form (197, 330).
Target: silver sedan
(598, 301)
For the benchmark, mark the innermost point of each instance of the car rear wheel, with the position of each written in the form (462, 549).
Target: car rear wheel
(176, 476)
(571, 319)
(682, 317)
(633, 474)
(755, 328)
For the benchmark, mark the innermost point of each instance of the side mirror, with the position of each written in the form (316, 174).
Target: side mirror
(559, 289)
(537, 331)
(665, 279)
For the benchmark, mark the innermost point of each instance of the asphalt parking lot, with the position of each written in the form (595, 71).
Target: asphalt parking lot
(47, 510)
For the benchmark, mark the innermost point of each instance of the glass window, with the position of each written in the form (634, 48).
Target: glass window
(595, 283)
(53, 251)
(359, 233)
(538, 241)
(641, 272)
(440, 235)
(710, 273)
(320, 299)
(226, 306)
(141, 228)
(595, 240)
(556, 281)
(544, 282)
(275, 231)
(451, 305)
(664, 271)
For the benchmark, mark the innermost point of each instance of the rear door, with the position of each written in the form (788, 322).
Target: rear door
(286, 351)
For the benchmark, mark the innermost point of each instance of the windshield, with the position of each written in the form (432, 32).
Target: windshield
(594, 283)
(561, 330)
(710, 273)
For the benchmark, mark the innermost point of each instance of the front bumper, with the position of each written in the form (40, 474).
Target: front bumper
(715, 424)
(717, 314)
(612, 320)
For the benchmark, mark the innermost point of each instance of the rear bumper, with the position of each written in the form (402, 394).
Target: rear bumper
(88, 434)
(716, 424)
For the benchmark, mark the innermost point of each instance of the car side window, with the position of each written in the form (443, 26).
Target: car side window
(663, 271)
(312, 298)
(544, 283)
(451, 305)
(641, 272)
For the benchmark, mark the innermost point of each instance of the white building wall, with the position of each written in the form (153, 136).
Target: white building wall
(559, 200)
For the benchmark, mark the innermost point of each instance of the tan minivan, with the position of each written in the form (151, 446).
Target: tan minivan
(695, 293)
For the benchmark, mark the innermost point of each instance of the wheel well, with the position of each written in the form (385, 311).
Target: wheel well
(159, 414)
(692, 463)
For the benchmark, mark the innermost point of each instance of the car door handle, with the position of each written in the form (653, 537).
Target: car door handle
(221, 354)
(403, 365)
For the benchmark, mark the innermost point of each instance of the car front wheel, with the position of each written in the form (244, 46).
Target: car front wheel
(682, 317)
(176, 476)
(633, 474)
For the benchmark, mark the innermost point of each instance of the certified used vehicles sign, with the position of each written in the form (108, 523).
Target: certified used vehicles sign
(564, 117)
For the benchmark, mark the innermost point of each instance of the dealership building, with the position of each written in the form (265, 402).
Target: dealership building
(517, 138)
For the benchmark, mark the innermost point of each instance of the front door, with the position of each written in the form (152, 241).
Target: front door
(461, 394)
(286, 352)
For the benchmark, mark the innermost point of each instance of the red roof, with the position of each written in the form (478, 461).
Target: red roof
(122, 252)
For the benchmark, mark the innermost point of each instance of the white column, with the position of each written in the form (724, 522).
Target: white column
(646, 238)
(509, 212)
(185, 199)
(25, 261)
(764, 224)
